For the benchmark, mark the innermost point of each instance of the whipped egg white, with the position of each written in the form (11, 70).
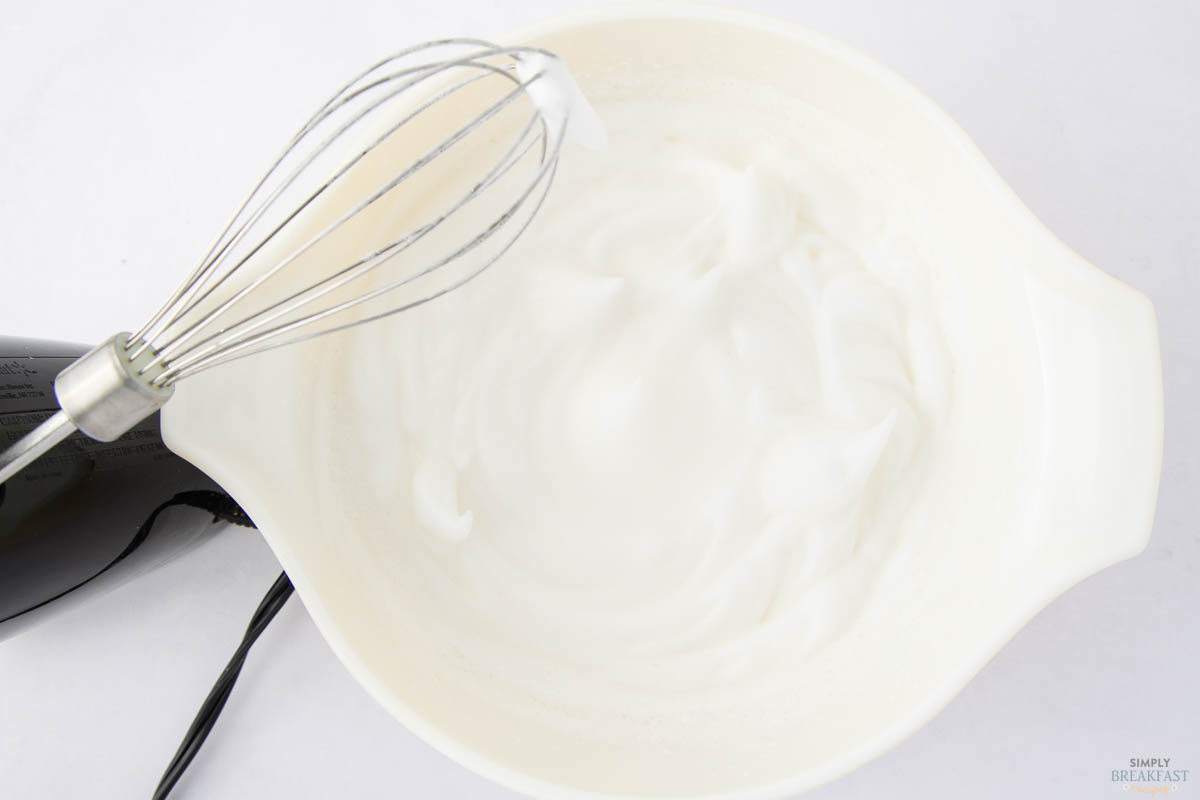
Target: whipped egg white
(669, 440)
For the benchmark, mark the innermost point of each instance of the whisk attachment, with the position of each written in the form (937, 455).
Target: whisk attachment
(103, 394)
(425, 168)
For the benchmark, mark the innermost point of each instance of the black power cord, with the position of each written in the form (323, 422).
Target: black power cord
(223, 508)
(276, 596)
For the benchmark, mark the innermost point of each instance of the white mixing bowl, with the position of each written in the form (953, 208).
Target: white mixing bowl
(1057, 387)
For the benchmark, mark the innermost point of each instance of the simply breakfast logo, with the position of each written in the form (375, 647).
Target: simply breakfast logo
(1148, 777)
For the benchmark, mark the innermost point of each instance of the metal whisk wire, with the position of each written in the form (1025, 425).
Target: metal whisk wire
(128, 377)
(181, 354)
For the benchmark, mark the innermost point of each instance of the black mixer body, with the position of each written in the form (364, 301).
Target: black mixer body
(82, 518)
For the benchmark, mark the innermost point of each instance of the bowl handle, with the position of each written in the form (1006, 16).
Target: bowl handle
(1102, 379)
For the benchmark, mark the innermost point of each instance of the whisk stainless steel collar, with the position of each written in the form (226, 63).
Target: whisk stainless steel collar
(221, 312)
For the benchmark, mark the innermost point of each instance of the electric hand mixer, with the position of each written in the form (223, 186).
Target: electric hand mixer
(268, 279)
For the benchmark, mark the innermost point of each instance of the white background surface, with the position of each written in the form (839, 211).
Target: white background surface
(128, 130)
